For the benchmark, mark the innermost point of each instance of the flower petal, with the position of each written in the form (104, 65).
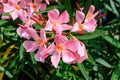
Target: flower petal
(79, 16)
(22, 33)
(75, 27)
(66, 27)
(90, 25)
(41, 55)
(63, 18)
(8, 8)
(71, 45)
(59, 39)
(55, 59)
(14, 15)
(30, 46)
(81, 53)
(42, 34)
(68, 56)
(51, 48)
(32, 32)
(53, 15)
(48, 26)
(91, 9)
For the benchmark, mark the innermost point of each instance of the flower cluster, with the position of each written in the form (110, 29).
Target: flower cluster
(57, 45)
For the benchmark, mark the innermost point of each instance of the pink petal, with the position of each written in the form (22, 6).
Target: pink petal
(72, 45)
(81, 54)
(90, 25)
(95, 14)
(79, 16)
(63, 18)
(41, 55)
(14, 15)
(68, 56)
(91, 9)
(66, 27)
(8, 8)
(75, 27)
(42, 7)
(51, 48)
(32, 32)
(22, 4)
(43, 35)
(59, 39)
(47, 1)
(22, 33)
(48, 26)
(55, 59)
(30, 46)
(53, 15)
(58, 29)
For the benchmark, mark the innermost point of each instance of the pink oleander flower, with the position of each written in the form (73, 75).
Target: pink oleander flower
(81, 25)
(39, 43)
(69, 50)
(57, 22)
(81, 53)
(22, 31)
(13, 8)
(91, 15)
(36, 5)
(26, 17)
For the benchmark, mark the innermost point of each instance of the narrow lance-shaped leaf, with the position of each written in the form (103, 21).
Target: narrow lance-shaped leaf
(116, 73)
(103, 62)
(114, 8)
(111, 41)
(87, 36)
(83, 71)
(6, 72)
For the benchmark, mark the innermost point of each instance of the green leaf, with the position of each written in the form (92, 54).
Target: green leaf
(91, 60)
(103, 62)
(87, 36)
(2, 22)
(114, 8)
(108, 7)
(116, 73)
(21, 52)
(6, 72)
(111, 41)
(83, 71)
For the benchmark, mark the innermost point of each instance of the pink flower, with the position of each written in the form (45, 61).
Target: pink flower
(39, 43)
(13, 8)
(22, 31)
(62, 48)
(80, 25)
(90, 15)
(81, 53)
(36, 5)
(57, 22)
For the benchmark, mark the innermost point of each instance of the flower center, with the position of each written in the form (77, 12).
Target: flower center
(80, 27)
(40, 41)
(55, 24)
(59, 48)
(17, 7)
(89, 15)
(35, 6)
